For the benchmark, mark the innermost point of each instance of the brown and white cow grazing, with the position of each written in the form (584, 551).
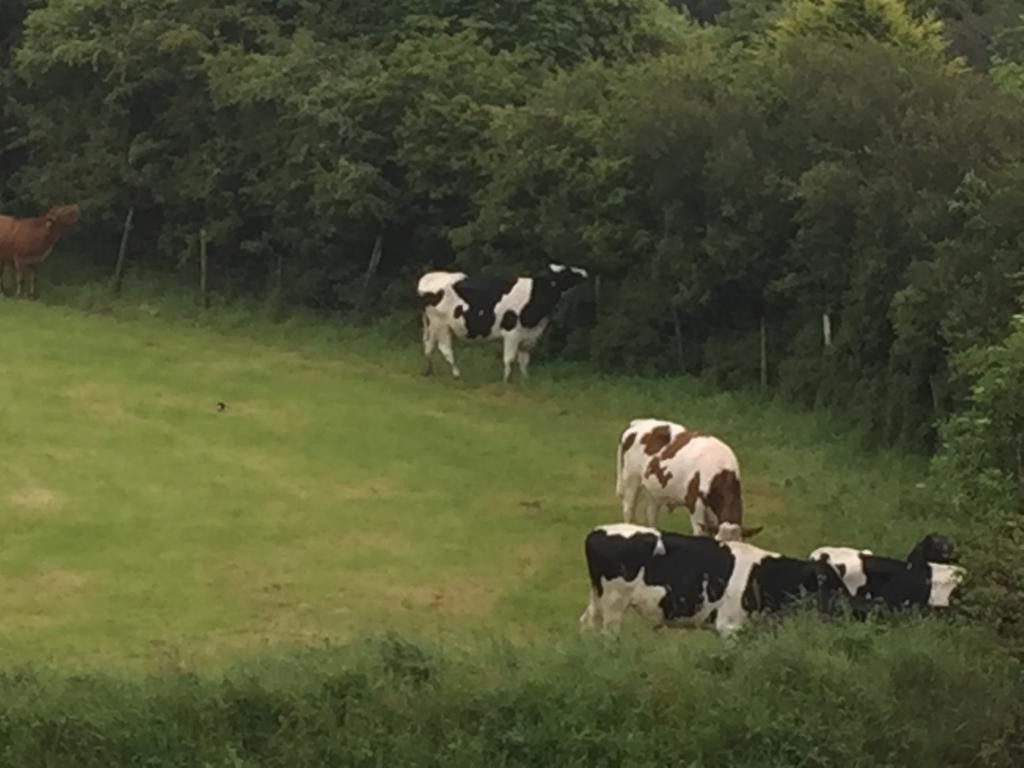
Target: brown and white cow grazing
(661, 463)
(25, 243)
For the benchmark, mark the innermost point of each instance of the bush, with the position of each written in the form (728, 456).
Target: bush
(979, 474)
(798, 692)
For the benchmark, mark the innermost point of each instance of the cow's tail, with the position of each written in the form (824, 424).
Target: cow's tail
(618, 470)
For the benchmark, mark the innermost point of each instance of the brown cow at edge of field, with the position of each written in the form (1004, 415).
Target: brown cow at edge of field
(25, 243)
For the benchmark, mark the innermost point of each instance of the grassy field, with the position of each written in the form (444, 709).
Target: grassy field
(341, 492)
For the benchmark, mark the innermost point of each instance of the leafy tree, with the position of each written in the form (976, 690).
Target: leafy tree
(885, 21)
(782, 161)
(1008, 61)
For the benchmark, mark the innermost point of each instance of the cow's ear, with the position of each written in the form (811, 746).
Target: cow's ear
(749, 533)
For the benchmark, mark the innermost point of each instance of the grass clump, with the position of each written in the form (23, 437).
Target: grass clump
(796, 693)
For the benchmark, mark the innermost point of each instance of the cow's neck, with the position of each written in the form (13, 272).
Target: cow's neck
(544, 297)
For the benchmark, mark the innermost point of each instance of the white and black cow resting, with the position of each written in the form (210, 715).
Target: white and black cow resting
(676, 580)
(661, 463)
(926, 578)
(477, 308)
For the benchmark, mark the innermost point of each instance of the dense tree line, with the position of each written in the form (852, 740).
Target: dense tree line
(726, 167)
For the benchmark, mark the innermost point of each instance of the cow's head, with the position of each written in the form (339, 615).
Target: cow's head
(933, 548)
(61, 217)
(729, 531)
(823, 579)
(944, 580)
(565, 277)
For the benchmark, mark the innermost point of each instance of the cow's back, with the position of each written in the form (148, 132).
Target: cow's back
(696, 572)
(8, 236)
(639, 441)
(692, 465)
(432, 282)
(847, 563)
(619, 551)
(669, 578)
(25, 239)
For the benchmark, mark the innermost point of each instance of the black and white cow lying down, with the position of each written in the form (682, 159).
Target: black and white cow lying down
(516, 311)
(926, 578)
(676, 580)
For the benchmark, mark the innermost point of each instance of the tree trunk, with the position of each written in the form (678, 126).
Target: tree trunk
(278, 285)
(678, 326)
(764, 355)
(371, 270)
(202, 269)
(122, 253)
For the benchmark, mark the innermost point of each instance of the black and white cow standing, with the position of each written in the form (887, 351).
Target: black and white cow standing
(926, 578)
(475, 308)
(678, 581)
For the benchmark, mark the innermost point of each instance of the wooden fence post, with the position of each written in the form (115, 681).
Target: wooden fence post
(764, 355)
(371, 269)
(202, 269)
(678, 327)
(279, 275)
(122, 252)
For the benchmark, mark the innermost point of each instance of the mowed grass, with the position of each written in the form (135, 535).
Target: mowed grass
(341, 492)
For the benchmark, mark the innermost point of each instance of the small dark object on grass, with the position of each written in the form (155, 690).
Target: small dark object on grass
(221, 406)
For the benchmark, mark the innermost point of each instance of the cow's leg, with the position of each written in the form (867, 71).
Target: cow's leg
(444, 343)
(3, 273)
(612, 607)
(630, 496)
(697, 523)
(591, 618)
(523, 358)
(32, 282)
(651, 512)
(728, 623)
(17, 279)
(510, 349)
(429, 345)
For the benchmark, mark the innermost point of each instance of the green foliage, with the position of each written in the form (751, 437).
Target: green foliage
(1008, 61)
(717, 188)
(807, 693)
(790, 160)
(978, 473)
(885, 21)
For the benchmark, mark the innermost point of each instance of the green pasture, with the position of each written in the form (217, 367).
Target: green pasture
(340, 492)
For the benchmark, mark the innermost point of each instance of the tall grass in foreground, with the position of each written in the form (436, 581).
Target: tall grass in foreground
(799, 693)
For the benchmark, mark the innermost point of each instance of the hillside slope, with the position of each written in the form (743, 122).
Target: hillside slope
(339, 491)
